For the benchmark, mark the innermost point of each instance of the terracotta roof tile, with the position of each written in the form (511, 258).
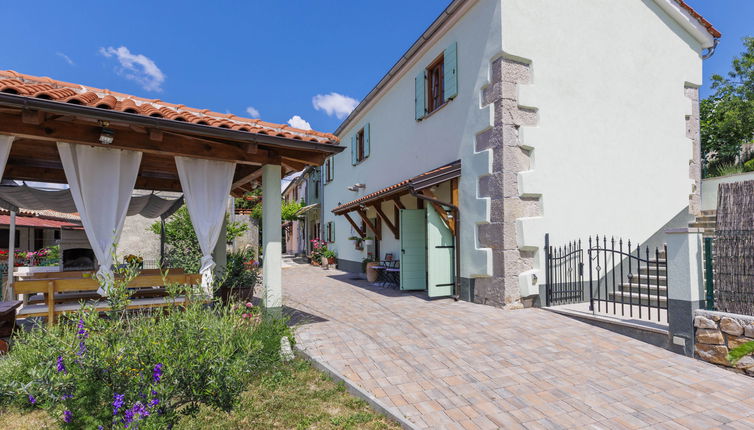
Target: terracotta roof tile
(706, 24)
(398, 186)
(64, 92)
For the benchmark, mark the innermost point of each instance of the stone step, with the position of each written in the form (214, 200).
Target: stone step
(654, 279)
(703, 225)
(644, 288)
(653, 270)
(636, 298)
(711, 212)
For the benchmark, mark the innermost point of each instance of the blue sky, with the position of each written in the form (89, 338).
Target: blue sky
(276, 57)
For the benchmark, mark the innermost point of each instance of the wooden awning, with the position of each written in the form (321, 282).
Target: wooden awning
(417, 183)
(38, 122)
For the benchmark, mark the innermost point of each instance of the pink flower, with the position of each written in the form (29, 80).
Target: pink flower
(245, 315)
(248, 304)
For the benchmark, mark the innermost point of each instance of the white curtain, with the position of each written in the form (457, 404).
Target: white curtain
(5, 144)
(206, 186)
(101, 182)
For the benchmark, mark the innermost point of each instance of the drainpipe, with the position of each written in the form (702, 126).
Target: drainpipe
(456, 249)
(710, 51)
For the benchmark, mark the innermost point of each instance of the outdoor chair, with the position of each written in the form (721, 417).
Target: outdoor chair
(393, 274)
(380, 269)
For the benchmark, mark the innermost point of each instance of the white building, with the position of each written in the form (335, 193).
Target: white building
(570, 117)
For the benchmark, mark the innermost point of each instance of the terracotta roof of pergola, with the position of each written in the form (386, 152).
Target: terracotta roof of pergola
(41, 111)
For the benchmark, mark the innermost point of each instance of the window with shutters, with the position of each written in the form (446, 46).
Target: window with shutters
(330, 232)
(360, 146)
(435, 85)
(329, 171)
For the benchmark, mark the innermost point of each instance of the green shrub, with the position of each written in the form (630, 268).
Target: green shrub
(139, 370)
(722, 169)
(240, 275)
(749, 166)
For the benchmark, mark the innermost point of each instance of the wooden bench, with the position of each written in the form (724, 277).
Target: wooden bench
(64, 295)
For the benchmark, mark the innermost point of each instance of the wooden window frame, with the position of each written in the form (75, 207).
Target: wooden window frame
(435, 81)
(360, 146)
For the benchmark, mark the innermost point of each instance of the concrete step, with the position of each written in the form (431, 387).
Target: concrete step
(709, 212)
(653, 270)
(654, 279)
(636, 298)
(644, 288)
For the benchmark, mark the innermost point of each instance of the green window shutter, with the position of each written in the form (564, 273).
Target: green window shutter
(332, 169)
(354, 151)
(420, 99)
(366, 141)
(450, 70)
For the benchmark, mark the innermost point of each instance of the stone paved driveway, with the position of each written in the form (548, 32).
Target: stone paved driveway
(446, 364)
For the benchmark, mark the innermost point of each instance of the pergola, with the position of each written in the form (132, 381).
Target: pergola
(47, 125)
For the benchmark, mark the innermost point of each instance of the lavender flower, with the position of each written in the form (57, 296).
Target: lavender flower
(83, 333)
(117, 402)
(67, 396)
(60, 365)
(157, 372)
(82, 349)
(32, 399)
(67, 416)
(154, 402)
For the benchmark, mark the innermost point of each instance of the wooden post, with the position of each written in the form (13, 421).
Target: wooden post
(162, 243)
(11, 257)
(50, 303)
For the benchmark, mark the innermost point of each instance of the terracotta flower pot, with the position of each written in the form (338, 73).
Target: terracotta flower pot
(371, 273)
(331, 260)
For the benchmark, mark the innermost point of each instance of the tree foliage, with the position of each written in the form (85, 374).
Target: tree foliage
(183, 246)
(727, 116)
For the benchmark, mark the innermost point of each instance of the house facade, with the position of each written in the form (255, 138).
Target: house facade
(305, 189)
(510, 119)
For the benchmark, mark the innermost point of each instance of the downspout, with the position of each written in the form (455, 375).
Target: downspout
(457, 247)
(710, 51)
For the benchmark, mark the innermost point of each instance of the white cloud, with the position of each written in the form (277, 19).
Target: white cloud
(335, 104)
(252, 111)
(298, 122)
(66, 58)
(136, 67)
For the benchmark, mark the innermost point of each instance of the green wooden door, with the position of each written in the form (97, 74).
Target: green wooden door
(413, 249)
(440, 253)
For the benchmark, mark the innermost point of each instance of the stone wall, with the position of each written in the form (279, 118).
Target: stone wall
(718, 332)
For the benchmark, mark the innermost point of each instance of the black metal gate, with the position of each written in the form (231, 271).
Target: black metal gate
(564, 274)
(623, 279)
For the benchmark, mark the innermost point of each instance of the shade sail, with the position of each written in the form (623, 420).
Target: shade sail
(24, 196)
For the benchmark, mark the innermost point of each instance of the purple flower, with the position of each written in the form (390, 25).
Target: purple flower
(60, 365)
(83, 334)
(67, 396)
(67, 416)
(32, 399)
(117, 402)
(154, 402)
(157, 372)
(82, 349)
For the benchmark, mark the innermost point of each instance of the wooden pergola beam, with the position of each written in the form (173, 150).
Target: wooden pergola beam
(397, 201)
(377, 207)
(440, 211)
(375, 230)
(361, 233)
(125, 138)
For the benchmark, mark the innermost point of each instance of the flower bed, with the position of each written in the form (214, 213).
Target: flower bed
(139, 371)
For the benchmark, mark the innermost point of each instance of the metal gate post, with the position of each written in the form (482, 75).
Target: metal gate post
(547, 269)
(708, 275)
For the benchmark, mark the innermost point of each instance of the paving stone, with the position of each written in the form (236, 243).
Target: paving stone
(455, 365)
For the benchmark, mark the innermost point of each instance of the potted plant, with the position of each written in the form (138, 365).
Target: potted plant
(330, 255)
(134, 260)
(358, 242)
